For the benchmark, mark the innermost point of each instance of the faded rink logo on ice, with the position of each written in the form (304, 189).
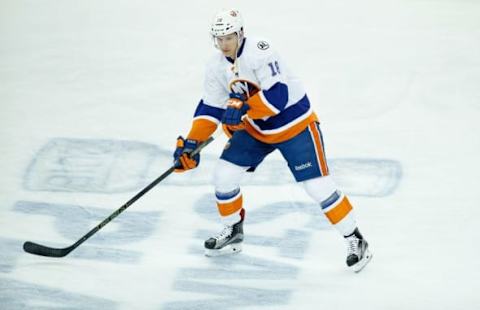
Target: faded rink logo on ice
(113, 166)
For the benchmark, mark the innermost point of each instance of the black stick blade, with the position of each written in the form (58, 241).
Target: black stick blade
(38, 249)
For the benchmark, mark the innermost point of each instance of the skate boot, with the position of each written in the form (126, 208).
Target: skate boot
(358, 254)
(228, 241)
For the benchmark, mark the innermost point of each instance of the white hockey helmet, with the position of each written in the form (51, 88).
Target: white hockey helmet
(227, 22)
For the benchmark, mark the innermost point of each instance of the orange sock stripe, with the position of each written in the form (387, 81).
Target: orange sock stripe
(336, 214)
(228, 208)
(319, 148)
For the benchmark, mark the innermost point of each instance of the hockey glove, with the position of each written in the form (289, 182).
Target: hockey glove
(236, 109)
(183, 162)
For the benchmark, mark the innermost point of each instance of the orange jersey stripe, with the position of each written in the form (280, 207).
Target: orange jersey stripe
(258, 107)
(319, 149)
(201, 129)
(284, 135)
(227, 131)
(341, 210)
(226, 209)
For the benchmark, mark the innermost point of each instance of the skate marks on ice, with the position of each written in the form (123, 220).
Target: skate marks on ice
(22, 295)
(112, 166)
(243, 280)
(107, 247)
(366, 177)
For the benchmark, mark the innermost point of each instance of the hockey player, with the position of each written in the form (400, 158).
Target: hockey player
(262, 107)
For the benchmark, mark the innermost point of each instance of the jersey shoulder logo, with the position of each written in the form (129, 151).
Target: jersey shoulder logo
(263, 45)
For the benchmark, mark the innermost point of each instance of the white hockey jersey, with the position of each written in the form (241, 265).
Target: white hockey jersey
(279, 106)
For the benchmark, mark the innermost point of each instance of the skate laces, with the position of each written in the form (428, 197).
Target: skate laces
(353, 245)
(225, 233)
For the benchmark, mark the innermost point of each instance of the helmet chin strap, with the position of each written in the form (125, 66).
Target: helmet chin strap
(240, 38)
(235, 64)
(239, 44)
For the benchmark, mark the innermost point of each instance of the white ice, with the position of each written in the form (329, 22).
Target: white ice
(94, 93)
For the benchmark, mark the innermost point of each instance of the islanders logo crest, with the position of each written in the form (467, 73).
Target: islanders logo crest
(244, 87)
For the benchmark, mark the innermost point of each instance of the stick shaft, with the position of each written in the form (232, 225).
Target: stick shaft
(38, 249)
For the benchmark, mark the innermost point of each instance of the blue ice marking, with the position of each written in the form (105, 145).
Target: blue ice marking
(366, 177)
(10, 251)
(72, 222)
(22, 295)
(292, 243)
(111, 166)
(355, 176)
(206, 207)
(227, 296)
(240, 267)
(218, 278)
(85, 165)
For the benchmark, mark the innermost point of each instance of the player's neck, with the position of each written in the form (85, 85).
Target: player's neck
(238, 51)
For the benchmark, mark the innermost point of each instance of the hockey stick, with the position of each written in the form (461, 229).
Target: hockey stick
(38, 249)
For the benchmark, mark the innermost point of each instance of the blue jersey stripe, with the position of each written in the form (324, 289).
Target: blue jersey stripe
(277, 95)
(286, 116)
(204, 109)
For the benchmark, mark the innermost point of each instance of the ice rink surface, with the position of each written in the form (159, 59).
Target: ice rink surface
(94, 93)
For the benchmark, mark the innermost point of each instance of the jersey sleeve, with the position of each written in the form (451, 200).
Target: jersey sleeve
(210, 109)
(273, 96)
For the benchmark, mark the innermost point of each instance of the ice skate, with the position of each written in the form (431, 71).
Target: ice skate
(358, 254)
(228, 241)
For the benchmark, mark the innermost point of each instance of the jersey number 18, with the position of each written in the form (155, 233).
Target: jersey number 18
(274, 67)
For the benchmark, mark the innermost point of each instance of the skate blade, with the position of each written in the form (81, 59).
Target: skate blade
(361, 264)
(229, 249)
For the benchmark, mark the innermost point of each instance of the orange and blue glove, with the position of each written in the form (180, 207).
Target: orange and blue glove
(237, 107)
(183, 161)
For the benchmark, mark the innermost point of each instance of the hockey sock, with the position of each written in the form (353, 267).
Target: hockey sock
(229, 205)
(339, 212)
